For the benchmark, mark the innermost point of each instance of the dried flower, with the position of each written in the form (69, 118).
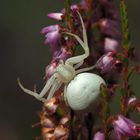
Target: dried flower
(64, 120)
(124, 127)
(47, 122)
(47, 133)
(60, 132)
(51, 106)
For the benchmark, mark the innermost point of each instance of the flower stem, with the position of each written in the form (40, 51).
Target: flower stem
(67, 7)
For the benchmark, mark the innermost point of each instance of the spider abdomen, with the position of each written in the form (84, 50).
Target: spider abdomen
(83, 90)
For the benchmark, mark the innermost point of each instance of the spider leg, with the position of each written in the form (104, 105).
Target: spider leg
(84, 44)
(77, 38)
(43, 92)
(84, 31)
(36, 95)
(78, 65)
(54, 88)
(65, 90)
(49, 83)
(85, 69)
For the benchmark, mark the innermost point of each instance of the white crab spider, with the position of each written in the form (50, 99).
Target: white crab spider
(80, 90)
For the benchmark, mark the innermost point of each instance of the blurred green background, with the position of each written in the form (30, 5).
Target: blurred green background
(24, 55)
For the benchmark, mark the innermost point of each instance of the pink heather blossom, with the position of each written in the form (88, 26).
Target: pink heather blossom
(51, 106)
(50, 29)
(134, 102)
(73, 9)
(124, 127)
(110, 28)
(106, 63)
(50, 69)
(99, 136)
(110, 45)
(62, 54)
(56, 16)
(52, 36)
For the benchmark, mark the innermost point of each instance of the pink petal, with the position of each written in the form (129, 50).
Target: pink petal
(55, 16)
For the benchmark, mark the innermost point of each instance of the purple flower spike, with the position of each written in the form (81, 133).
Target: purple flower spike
(52, 36)
(99, 136)
(124, 127)
(111, 45)
(56, 16)
(106, 63)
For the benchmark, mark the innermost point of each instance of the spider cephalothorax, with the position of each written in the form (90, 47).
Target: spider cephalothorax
(80, 90)
(65, 72)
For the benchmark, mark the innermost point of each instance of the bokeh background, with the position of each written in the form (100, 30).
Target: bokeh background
(23, 54)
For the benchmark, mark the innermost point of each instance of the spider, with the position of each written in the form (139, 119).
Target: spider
(65, 71)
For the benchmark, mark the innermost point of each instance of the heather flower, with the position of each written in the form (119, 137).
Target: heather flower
(99, 136)
(110, 45)
(134, 102)
(61, 132)
(105, 9)
(73, 9)
(106, 63)
(50, 69)
(52, 36)
(56, 16)
(83, 4)
(62, 54)
(47, 133)
(47, 122)
(51, 106)
(110, 28)
(64, 121)
(124, 127)
(131, 100)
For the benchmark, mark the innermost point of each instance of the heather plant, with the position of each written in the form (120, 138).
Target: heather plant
(102, 27)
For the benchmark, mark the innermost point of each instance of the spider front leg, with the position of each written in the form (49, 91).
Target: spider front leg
(84, 44)
(43, 92)
(56, 85)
